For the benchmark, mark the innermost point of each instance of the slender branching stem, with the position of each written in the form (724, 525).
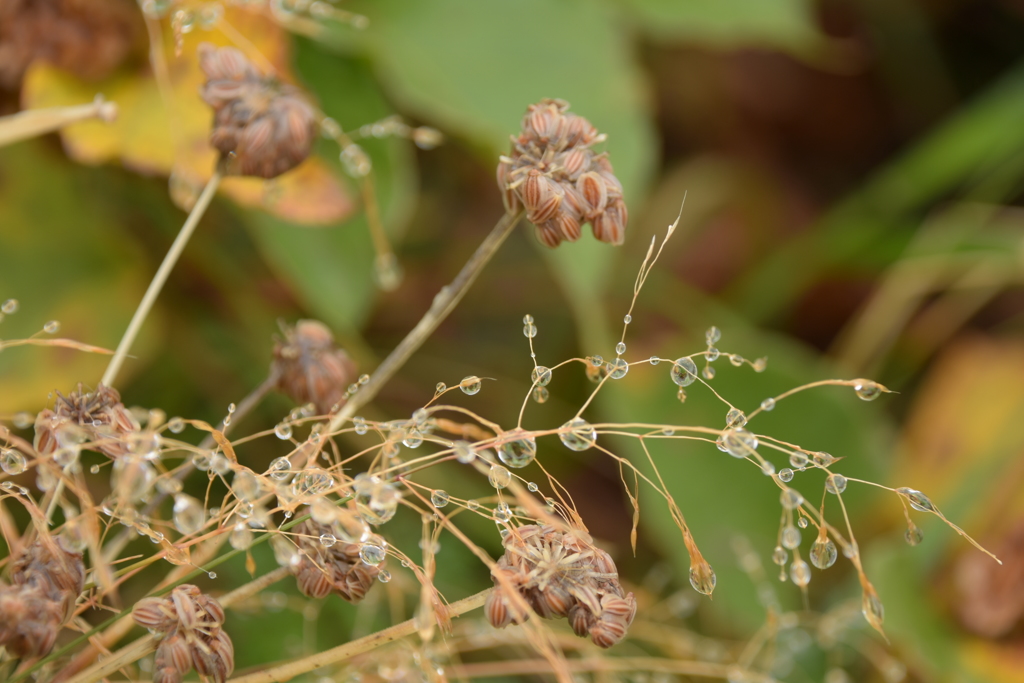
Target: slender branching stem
(29, 124)
(288, 671)
(160, 278)
(443, 304)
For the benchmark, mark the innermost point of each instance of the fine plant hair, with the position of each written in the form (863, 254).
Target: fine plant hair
(326, 504)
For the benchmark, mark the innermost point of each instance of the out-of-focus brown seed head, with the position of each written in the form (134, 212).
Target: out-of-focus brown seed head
(560, 574)
(336, 568)
(310, 368)
(95, 419)
(554, 175)
(263, 126)
(46, 581)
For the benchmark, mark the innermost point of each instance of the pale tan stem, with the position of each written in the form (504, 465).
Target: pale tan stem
(147, 643)
(160, 278)
(287, 671)
(33, 122)
(443, 304)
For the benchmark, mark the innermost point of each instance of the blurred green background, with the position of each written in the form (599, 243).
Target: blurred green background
(853, 172)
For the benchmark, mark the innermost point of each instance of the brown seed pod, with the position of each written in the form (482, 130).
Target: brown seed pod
(310, 368)
(553, 174)
(338, 567)
(265, 127)
(95, 419)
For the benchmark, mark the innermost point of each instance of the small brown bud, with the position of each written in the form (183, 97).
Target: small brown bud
(337, 568)
(266, 125)
(310, 368)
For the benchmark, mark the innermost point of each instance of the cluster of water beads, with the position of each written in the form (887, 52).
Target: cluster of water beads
(529, 328)
(577, 434)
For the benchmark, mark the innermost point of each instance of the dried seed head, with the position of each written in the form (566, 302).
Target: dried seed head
(266, 125)
(561, 183)
(322, 569)
(310, 368)
(95, 419)
(46, 580)
(560, 574)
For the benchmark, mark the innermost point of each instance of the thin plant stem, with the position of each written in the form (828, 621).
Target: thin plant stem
(443, 304)
(288, 671)
(29, 124)
(524, 667)
(160, 278)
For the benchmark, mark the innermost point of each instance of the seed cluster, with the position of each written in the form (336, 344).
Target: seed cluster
(553, 173)
(188, 625)
(310, 368)
(95, 417)
(560, 574)
(337, 567)
(266, 125)
(46, 580)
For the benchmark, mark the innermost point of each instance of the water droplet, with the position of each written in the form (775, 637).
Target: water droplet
(684, 371)
(596, 361)
(835, 484)
(739, 443)
(463, 451)
(383, 576)
(371, 554)
(867, 390)
(627, 319)
(530, 331)
(470, 385)
(735, 418)
(439, 498)
(577, 434)
(653, 360)
(13, 461)
(913, 535)
(283, 430)
(499, 477)
(189, 516)
(823, 553)
(917, 500)
(681, 395)
(850, 551)
(800, 573)
(327, 540)
(518, 452)
(540, 394)
(311, 482)
(413, 438)
(10, 306)
(768, 404)
(359, 424)
(440, 388)
(532, 486)
(52, 327)
(786, 474)
(871, 606)
(703, 578)
(790, 537)
(768, 468)
(527, 319)
(802, 522)
(712, 354)
(472, 504)
(791, 499)
(798, 459)
(780, 556)
(503, 513)
(708, 372)
(387, 272)
(620, 348)
(95, 469)
(736, 359)
(280, 469)
(713, 335)
(540, 376)
(618, 368)
(823, 459)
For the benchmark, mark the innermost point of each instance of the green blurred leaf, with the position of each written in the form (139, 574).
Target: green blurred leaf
(331, 268)
(787, 24)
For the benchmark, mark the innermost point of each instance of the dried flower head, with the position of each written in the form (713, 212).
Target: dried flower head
(310, 368)
(553, 173)
(188, 625)
(560, 574)
(92, 419)
(46, 580)
(266, 125)
(328, 564)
